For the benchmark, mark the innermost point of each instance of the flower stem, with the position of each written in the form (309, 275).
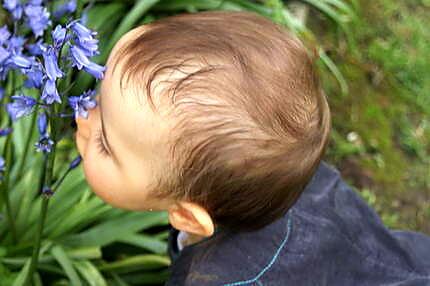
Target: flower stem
(49, 166)
(59, 181)
(38, 239)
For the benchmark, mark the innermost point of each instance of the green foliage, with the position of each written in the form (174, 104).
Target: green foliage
(387, 108)
(403, 50)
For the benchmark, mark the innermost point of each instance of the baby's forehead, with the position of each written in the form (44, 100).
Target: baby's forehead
(146, 79)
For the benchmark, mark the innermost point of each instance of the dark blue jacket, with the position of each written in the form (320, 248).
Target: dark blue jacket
(329, 237)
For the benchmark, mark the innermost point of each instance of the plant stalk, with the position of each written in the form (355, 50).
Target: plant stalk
(49, 166)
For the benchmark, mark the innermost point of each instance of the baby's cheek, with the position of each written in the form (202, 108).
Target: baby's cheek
(102, 180)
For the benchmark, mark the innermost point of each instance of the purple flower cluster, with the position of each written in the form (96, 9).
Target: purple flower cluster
(11, 53)
(45, 143)
(43, 63)
(36, 15)
(66, 8)
(22, 105)
(85, 46)
(82, 103)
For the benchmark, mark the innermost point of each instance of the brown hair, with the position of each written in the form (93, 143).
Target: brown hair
(252, 119)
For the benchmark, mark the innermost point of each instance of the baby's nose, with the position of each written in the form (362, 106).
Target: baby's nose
(83, 126)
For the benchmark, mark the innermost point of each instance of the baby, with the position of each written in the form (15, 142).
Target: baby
(219, 119)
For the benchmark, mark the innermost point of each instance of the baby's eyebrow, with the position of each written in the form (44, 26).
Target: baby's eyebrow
(115, 157)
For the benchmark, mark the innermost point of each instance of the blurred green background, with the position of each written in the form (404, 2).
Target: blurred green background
(374, 59)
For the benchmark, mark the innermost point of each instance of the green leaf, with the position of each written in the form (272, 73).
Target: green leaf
(118, 280)
(115, 229)
(77, 253)
(6, 276)
(136, 13)
(20, 279)
(37, 281)
(339, 13)
(138, 262)
(100, 14)
(334, 70)
(79, 216)
(65, 262)
(90, 273)
(145, 241)
(163, 235)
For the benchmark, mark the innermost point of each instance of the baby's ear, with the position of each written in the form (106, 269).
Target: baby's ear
(191, 218)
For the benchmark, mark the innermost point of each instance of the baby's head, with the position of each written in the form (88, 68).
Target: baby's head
(216, 117)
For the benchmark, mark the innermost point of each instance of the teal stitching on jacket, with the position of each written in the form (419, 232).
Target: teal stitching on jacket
(244, 282)
(259, 283)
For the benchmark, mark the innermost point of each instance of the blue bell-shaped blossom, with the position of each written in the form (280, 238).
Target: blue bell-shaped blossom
(21, 105)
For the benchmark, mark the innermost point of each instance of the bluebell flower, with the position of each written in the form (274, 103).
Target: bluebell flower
(35, 2)
(95, 70)
(10, 4)
(12, 57)
(37, 18)
(75, 162)
(34, 79)
(79, 59)
(47, 191)
(5, 65)
(80, 30)
(5, 131)
(4, 34)
(4, 54)
(37, 48)
(35, 76)
(89, 46)
(84, 38)
(50, 92)
(80, 104)
(42, 123)
(16, 44)
(22, 105)
(20, 61)
(14, 7)
(51, 64)
(85, 46)
(66, 8)
(58, 36)
(44, 144)
(1, 93)
(2, 165)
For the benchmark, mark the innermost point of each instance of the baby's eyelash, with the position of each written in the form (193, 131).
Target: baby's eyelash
(100, 144)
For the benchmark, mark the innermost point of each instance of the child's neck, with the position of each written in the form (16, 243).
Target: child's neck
(192, 238)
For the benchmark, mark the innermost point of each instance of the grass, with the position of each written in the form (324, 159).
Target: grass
(381, 136)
